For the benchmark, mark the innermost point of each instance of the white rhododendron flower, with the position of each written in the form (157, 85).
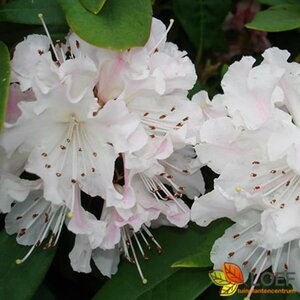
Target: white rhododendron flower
(254, 147)
(116, 127)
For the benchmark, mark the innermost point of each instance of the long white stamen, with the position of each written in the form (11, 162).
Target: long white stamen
(278, 255)
(258, 275)
(144, 280)
(48, 35)
(164, 36)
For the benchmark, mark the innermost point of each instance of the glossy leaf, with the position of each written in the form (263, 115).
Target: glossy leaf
(228, 290)
(201, 257)
(176, 243)
(26, 12)
(93, 6)
(198, 17)
(195, 283)
(4, 81)
(276, 2)
(120, 25)
(233, 273)
(218, 278)
(21, 281)
(277, 18)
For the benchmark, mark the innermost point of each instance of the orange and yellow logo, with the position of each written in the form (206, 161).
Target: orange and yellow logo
(229, 278)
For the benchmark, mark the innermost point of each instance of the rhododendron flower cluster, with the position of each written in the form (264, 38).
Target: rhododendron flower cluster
(117, 126)
(251, 138)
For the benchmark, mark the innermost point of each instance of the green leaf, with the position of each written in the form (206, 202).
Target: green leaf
(277, 18)
(93, 6)
(21, 281)
(176, 244)
(199, 17)
(26, 12)
(4, 81)
(184, 284)
(120, 25)
(276, 2)
(201, 257)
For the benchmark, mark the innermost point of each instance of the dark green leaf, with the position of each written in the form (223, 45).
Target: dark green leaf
(277, 18)
(201, 19)
(93, 6)
(177, 244)
(276, 2)
(201, 257)
(26, 12)
(4, 81)
(21, 281)
(184, 284)
(120, 25)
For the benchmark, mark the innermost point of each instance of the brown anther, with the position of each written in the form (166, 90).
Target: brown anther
(297, 198)
(152, 127)
(34, 215)
(173, 109)
(185, 171)
(62, 147)
(179, 124)
(286, 267)
(44, 154)
(288, 183)
(46, 246)
(68, 140)
(162, 174)
(46, 218)
(80, 149)
(273, 171)
(58, 174)
(170, 177)
(273, 201)
(22, 232)
(82, 174)
(230, 254)
(253, 270)
(236, 235)
(152, 136)
(245, 263)
(110, 144)
(249, 242)
(283, 172)
(268, 253)
(77, 44)
(146, 114)
(38, 243)
(95, 154)
(93, 170)
(185, 119)
(282, 205)
(40, 52)
(47, 166)
(162, 116)
(255, 162)
(73, 180)
(257, 187)
(19, 218)
(181, 188)
(253, 174)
